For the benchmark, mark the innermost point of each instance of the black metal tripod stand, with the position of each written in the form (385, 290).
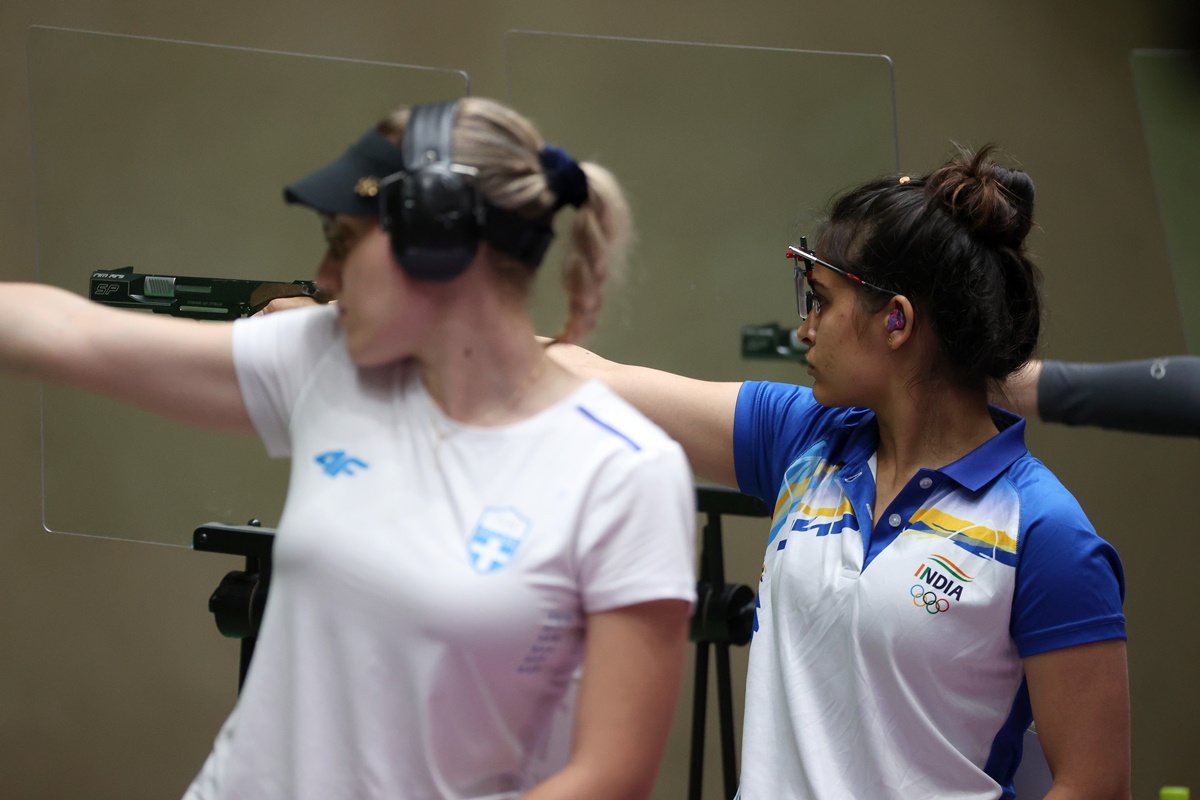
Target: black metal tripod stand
(724, 616)
(238, 602)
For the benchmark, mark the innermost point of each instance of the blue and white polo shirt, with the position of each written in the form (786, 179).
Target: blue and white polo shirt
(886, 660)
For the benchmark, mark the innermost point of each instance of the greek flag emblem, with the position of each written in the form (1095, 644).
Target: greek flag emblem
(497, 536)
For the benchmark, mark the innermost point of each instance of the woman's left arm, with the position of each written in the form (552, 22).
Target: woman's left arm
(1080, 699)
(631, 677)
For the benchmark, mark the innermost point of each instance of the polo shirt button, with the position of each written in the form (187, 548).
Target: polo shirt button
(926, 483)
(894, 520)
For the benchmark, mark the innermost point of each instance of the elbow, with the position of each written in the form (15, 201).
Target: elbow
(1095, 787)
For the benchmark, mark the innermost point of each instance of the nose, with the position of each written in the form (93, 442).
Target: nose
(329, 275)
(808, 330)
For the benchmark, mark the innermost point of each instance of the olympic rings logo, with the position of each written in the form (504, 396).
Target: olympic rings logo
(922, 598)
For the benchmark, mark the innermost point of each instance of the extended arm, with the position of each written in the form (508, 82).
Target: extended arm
(631, 678)
(1080, 699)
(697, 414)
(1159, 395)
(179, 368)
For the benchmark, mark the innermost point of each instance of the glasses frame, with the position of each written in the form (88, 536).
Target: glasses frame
(804, 295)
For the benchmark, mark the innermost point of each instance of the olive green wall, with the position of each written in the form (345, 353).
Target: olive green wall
(113, 679)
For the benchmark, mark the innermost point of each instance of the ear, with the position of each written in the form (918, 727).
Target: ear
(898, 319)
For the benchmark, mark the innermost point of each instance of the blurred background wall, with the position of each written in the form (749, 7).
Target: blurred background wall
(113, 678)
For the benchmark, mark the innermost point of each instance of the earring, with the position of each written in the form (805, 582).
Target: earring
(896, 320)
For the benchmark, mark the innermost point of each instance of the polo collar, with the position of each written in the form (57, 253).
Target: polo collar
(974, 470)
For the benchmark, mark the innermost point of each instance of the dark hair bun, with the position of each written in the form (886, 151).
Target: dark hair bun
(953, 242)
(992, 202)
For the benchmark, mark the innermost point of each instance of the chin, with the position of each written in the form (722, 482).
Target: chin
(373, 353)
(828, 399)
(360, 353)
(361, 360)
(366, 358)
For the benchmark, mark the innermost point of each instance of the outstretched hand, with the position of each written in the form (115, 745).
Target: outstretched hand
(285, 303)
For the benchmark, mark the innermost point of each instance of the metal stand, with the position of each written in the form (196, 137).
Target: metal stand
(724, 616)
(240, 599)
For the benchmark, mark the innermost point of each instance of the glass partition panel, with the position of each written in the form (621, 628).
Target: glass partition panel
(170, 157)
(724, 153)
(1168, 92)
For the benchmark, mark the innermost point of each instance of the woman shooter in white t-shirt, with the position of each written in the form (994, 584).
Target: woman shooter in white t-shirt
(464, 513)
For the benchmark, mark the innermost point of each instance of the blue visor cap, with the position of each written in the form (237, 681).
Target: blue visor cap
(350, 185)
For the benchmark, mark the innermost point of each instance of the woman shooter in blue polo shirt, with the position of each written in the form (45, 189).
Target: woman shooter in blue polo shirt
(929, 587)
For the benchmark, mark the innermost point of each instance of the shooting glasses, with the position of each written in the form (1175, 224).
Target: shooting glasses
(805, 300)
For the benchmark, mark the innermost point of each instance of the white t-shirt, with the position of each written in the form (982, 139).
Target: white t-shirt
(431, 580)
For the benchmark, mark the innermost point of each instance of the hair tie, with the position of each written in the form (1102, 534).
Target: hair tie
(564, 177)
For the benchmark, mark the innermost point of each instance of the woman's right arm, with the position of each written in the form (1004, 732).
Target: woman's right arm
(697, 414)
(182, 369)
(632, 673)
(1080, 700)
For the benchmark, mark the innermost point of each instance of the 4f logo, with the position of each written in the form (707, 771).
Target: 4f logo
(336, 462)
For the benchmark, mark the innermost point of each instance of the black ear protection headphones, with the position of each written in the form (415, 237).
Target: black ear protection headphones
(432, 209)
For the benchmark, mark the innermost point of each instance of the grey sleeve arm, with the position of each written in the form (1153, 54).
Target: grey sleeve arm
(1159, 395)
